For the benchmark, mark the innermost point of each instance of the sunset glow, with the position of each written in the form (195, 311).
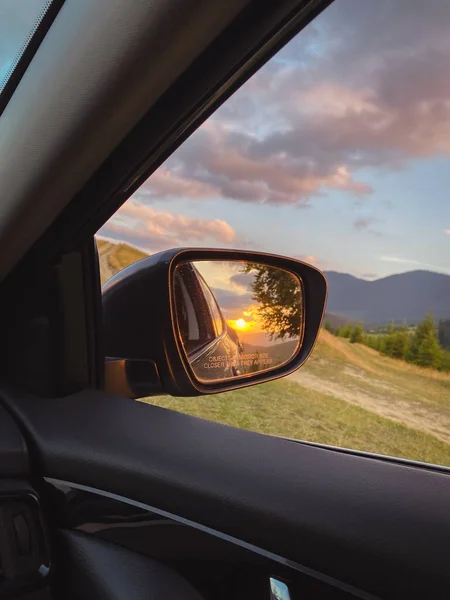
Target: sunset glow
(241, 324)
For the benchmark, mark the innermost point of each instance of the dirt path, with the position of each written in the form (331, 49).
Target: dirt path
(414, 414)
(105, 267)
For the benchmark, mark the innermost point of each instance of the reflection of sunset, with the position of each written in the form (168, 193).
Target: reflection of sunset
(241, 324)
(232, 289)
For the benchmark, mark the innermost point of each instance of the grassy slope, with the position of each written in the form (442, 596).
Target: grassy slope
(405, 381)
(392, 388)
(327, 400)
(115, 257)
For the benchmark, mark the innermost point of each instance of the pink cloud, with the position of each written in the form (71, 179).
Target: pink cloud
(368, 88)
(155, 230)
(165, 182)
(222, 164)
(309, 258)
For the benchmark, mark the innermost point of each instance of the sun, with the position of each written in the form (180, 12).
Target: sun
(241, 324)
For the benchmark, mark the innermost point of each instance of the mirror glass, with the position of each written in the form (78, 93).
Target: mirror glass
(237, 318)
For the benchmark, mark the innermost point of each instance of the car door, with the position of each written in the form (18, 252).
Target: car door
(201, 324)
(105, 497)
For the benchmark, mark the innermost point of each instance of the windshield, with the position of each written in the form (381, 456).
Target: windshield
(19, 23)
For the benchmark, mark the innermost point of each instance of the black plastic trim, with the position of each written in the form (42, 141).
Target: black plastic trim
(13, 450)
(88, 567)
(373, 455)
(24, 548)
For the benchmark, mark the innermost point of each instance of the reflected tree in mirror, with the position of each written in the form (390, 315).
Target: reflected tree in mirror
(279, 298)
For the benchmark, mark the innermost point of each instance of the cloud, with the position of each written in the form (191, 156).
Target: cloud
(414, 262)
(362, 223)
(166, 183)
(365, 224)
(362, 86)
(447, 231)
(242, 280)
(370, 276)
(220, 163)
(229, 301)
(309, 258)
(155, 230)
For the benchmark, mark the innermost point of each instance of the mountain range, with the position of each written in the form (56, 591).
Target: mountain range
(404, 297)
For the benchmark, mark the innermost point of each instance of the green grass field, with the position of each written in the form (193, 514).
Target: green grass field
(346, 395)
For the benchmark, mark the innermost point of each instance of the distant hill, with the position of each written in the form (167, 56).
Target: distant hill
(405, 297)
(408, 296)
(339, 320)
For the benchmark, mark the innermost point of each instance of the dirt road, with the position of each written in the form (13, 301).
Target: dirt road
(388, 388)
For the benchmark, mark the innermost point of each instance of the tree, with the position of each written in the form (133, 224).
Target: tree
(444, 333)
(397, 343)
(425, 350)
(401, 342)
(372, 341)
(445, 363)
(328, 326)
(346, 331)
(357, 334)
(429, 353)
(279, 296)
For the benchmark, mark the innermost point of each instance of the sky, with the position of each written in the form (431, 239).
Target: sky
(336, 152)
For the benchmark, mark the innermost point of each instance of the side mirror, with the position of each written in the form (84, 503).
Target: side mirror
(194, 321)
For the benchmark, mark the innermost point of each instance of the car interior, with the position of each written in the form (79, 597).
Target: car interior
(105, 497)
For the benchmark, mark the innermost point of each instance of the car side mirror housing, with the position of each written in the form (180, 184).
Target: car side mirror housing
(196, 321)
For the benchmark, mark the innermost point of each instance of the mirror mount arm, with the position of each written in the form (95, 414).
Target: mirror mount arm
(132, 378)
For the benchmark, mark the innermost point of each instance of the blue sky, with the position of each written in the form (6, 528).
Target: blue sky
(336, 151)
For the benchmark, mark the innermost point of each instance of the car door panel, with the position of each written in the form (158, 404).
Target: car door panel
(348, 517)
(217, 565)
(110, 572)
(24, 555)
(13, 451)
